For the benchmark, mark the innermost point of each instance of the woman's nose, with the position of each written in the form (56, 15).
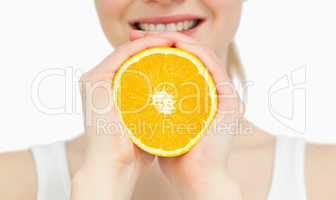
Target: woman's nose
(163, 1)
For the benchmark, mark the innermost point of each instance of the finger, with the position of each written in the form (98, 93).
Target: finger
(227, 95)
(106, 69)
(215, 66)
(174, 36)
(229, 103)
(136, 34)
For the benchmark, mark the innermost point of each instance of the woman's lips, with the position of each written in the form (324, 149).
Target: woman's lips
(186, 24)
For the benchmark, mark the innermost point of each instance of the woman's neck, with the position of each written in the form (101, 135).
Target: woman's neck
(249, 136)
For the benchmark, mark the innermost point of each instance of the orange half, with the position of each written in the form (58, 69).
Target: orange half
(166, 99)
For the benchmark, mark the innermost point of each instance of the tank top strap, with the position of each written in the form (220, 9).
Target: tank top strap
(289, 169)
(53, 180)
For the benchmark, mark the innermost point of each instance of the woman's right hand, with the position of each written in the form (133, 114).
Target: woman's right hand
(112, 163)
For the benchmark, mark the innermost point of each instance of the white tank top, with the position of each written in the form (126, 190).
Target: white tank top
(288, 173)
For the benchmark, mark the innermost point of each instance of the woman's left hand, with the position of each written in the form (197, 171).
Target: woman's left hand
(202, 173)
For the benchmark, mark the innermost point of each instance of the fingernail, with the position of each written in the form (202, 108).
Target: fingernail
(136, 34)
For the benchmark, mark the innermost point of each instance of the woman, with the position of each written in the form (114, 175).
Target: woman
(233, 165)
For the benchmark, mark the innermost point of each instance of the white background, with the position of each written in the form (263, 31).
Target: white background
(276, 39)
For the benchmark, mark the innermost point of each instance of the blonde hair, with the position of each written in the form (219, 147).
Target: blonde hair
(235, 67)
(236, 72)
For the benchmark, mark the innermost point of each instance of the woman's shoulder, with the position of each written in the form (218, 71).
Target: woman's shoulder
(321, 158)
(319, 168)
(17, 176)
(75, 150)
(321, 171)
(321, 153)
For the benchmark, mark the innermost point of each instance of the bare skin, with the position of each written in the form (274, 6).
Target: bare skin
(254, 151)
(128, 173)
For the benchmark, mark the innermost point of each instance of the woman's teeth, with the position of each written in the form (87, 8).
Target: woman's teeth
(174, 27)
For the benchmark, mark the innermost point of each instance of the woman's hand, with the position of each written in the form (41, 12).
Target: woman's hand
(112, 163)
(202, 173)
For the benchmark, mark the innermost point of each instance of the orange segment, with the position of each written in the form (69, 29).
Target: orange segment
(166, 99)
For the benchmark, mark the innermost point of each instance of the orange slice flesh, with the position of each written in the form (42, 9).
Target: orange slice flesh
(166, 99)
